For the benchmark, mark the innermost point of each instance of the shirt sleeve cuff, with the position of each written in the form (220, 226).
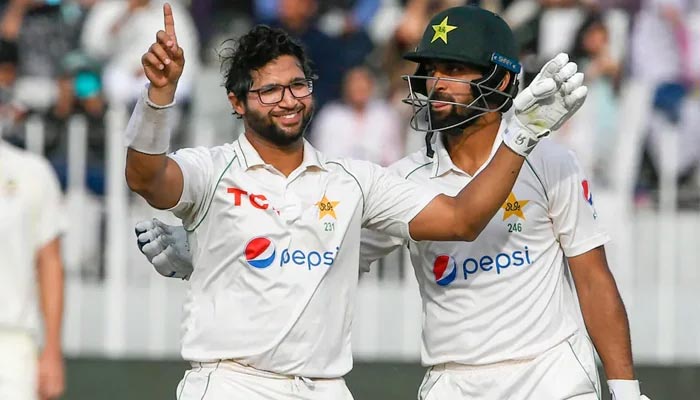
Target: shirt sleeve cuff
(586, 245)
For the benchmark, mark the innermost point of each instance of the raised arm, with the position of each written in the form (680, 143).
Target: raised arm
(555, 94)
(149, 172)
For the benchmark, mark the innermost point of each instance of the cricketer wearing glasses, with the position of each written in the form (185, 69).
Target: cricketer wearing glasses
(274, 226)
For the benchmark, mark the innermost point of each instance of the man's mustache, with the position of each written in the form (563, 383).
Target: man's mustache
(441, 97)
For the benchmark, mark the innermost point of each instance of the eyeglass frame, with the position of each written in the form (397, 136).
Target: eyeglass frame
(285, 88)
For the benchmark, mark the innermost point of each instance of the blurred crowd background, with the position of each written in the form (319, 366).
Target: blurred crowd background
(66, 57)
(70, 72)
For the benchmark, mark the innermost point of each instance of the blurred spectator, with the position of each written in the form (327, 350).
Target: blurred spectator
(40, 32)
(116, 34)
(592, 133)
(341, 17)
(660, 34)
(82, 75)
(591, 50)
(663, 57)
(219, 17)
(361, 126)
(11, 111)
(332, 57)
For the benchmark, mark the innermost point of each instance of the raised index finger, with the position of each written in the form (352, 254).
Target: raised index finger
(169, 21)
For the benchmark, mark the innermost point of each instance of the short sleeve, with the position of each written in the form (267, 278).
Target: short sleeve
(391, 202)
(48, 204)
(572, 207)
(374, 246)
(196, 165)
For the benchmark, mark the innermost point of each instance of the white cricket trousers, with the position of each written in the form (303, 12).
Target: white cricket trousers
(18, 366)
(565, 372)
(228, 380)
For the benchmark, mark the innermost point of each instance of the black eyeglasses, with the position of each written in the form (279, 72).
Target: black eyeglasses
(273, 94)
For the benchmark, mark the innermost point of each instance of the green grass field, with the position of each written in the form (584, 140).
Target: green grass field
(93, 379)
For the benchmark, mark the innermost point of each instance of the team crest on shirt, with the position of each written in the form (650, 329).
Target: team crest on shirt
(588, 196)
(514, 207)
(326, 207)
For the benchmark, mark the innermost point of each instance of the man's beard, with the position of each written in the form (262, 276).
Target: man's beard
(263, 125)
(458, 114)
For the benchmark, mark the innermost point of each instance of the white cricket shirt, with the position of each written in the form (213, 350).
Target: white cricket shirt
(276, 258)
(30, 200)
(505, 295)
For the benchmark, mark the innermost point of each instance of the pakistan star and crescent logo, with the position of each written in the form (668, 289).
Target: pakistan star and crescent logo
(326, 207)
(513, 206)
(442, 30)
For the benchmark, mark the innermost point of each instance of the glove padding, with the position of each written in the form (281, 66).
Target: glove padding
(166, 247)
(555, 94)
(622, 389)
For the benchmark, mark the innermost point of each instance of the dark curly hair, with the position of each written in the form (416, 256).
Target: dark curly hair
(253, 51)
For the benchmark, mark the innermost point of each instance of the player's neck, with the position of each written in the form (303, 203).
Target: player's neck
(285, 159)
(470, 150)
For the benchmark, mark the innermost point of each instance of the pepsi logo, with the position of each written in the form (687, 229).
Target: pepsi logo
(445, 270)
(260, 252)
(587, 192)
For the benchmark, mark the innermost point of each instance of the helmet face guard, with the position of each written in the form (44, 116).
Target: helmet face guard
(421, 99)
(472, 36)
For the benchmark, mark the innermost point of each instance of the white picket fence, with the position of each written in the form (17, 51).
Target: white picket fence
(134, 312)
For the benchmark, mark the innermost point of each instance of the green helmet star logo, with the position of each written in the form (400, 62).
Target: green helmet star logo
(442, 30)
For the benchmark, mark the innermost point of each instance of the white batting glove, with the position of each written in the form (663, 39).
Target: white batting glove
(622, 389)
(555, 94)
(166, 247)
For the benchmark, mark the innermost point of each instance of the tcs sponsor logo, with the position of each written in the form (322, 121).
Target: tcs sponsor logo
(261, 252)
(446, 268)
(258, 201)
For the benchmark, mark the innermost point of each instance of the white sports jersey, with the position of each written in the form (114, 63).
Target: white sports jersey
(505, 295)
(30, 200)
(276, 258)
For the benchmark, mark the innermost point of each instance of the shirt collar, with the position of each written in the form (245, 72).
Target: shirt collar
(250, 157)
(443, 163)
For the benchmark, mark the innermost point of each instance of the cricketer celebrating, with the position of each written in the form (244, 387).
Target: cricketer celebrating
(501, 320)
(274, 227)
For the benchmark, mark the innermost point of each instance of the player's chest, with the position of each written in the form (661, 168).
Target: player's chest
(510, 244)
(311, 204)
(523, 215)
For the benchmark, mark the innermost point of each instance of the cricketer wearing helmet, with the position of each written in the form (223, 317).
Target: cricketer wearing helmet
(500, 320)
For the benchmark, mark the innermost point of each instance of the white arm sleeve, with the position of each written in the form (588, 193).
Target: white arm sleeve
(96, 38)
(374, 246)
(197, 170)
(48, 215)
(572, 207)
(391, 202)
